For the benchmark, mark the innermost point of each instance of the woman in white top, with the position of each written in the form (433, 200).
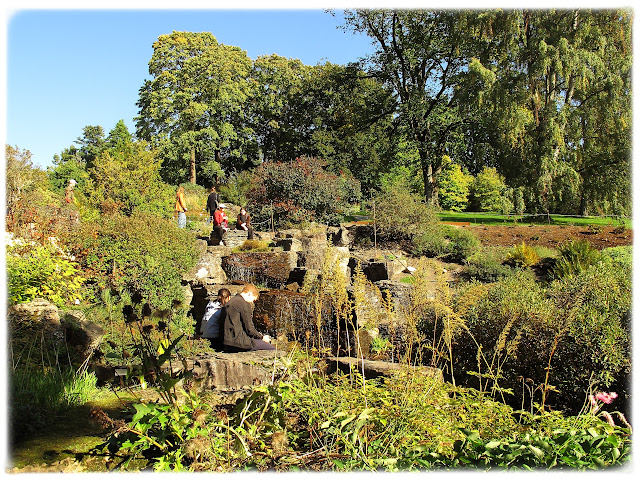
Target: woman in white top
(210, 325)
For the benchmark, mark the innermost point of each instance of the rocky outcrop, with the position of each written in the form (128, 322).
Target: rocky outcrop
(377, 368)
(41, 322)
(235, 370)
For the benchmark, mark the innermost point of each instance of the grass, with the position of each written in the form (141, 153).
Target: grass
(498, 219)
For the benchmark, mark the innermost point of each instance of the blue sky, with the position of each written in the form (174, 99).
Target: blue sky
(70, 68)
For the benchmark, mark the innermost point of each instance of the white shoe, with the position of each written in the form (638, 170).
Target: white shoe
(221, 244)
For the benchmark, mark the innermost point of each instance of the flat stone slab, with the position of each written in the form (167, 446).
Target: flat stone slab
(232, 371)
(377, 368)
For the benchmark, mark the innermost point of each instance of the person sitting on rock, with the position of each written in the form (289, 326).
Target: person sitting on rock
(210, 325)
(220, 223)
(243, 222)
(237, 323)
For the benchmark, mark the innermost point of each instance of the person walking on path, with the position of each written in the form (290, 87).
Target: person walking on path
(213, 200)
(220, 224)
(181, 207)
(243, 222)
(237, 323)
(210, 325)
(69, 196)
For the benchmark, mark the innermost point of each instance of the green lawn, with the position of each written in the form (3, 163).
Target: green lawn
(497, 219)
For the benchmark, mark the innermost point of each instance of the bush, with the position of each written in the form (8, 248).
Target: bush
(252, 246)
(523, 256)
(486, 265)
(144, 255)
(300, 190)
(445, 241)
(595, 306)
(127, 180)
(516, 329)
(42, 271)
(400, 213)
(621, 257)
(574, 257)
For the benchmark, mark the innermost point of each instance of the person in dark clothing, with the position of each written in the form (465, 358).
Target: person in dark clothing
(243, 222)
(239, 334)
(213, 200)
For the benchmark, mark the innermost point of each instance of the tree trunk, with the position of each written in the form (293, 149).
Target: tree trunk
(430, 184)
(192, 166)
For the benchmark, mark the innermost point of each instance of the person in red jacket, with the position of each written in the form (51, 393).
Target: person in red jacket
(220, 223)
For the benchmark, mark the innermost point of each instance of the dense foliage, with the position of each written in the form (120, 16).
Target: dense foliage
(144, 255)
(299, 192)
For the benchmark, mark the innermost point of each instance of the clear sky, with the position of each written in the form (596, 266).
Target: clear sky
(67, 69)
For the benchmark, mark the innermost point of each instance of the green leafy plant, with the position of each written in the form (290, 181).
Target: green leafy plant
(144, 255)
(486, 265)
(574, 257)
(42, 271)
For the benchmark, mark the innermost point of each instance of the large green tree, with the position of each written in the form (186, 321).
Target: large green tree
(553, 101)
(353, 128)
(277, 106)
(420, 55)
(190, 108)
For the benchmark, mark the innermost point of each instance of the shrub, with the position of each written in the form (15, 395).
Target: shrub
(595, 305)
(574, 257)
(145, 255)
(42, 271)
(576, 330)
(485, 265)
(523, 256)
(300, 190)
(252, 246)
(400, 213)
(619, 256)
(126, 180)
(447, 242)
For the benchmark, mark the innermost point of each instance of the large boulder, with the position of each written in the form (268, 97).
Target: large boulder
(269, 269)
(208, 270)
(41, 322)
(229, 371)
(81, 335)
(377, 368)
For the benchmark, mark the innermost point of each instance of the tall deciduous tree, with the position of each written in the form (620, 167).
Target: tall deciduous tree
(190, 107)
(277, 107)
(420, 54)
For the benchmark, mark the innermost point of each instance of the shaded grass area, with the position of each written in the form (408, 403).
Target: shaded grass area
(64, 444)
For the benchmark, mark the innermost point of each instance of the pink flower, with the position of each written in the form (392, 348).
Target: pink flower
(594, 404)
(606, 397)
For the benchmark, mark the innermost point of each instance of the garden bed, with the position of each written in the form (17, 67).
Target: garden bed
(550, 235)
